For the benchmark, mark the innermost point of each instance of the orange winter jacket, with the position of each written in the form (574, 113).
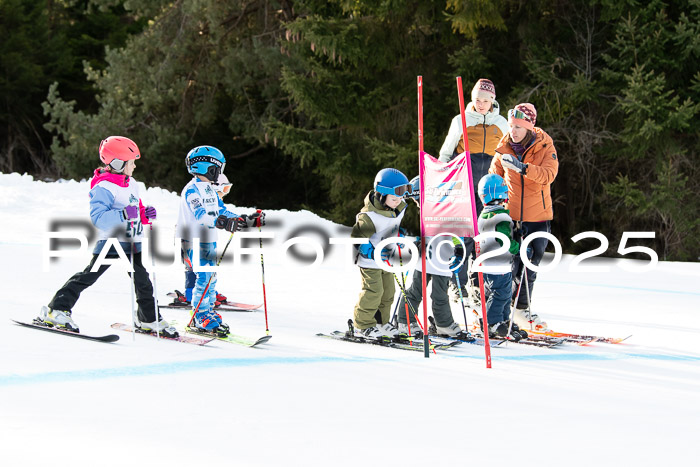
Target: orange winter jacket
(482, 138)
(530, 199)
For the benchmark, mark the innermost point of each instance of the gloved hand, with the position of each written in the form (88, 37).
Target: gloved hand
(458, 257)
(150, 212)
(402, 233)
(510, 162)
(366, 250)
(229, 224)
(251, 220)
(130, 213)
(387, 253)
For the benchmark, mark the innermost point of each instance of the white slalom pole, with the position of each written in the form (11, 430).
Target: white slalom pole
(527, 292)
(155, 289)
(133, 288)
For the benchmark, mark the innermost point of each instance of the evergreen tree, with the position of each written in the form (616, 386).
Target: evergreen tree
(45, 42)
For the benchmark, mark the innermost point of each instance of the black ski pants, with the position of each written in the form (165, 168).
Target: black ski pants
(68, 294)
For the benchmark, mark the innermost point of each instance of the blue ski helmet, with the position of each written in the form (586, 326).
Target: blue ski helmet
(391, 182)
(492, 187)
(207, 161)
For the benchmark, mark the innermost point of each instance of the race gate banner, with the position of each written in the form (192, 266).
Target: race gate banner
(446, 196)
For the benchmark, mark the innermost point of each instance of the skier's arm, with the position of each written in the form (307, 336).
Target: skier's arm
(505, 228)
(496, 167)
(546, 172)
(196, 205)
(363, 228)
(452, 140)
(225, 212)
(103, 216)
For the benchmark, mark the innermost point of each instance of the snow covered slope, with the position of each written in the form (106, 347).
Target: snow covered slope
(305, 401)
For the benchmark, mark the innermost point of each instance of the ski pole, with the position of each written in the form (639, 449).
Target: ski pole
(133, 287)
(461, 300)
(517, 297)
(403, 282)
(262, 267)
(415, 315)
(527, 292)
(209, 281)
(155, 289)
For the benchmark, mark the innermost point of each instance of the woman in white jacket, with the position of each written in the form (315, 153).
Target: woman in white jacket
(485, 128)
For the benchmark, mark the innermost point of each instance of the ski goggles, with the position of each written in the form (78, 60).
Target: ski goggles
(400, 190)
(224, 188)
(517, 114)
(117, 165)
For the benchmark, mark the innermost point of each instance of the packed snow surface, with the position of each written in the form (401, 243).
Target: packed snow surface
(301, 400)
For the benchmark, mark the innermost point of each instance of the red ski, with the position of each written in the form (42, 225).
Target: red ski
(228, 305)
(580, 337)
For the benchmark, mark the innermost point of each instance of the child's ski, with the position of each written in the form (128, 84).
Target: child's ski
(417, 345)
(179, 302)
(580, 337)
(399, 342)
(38, 324)
(180, 338)
(235, 306)
(232, 338)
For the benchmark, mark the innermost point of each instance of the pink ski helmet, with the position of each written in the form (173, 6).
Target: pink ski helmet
(116, 150)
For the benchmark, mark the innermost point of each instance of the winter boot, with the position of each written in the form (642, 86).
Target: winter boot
(58, 318)
(180, 300)
(205, 321)
(223, 327)
(415, 329)
(221, 299)
(161, 326)
(524, 318)
(452, 330)
(380, 331)
(516, 329)
(500, 331)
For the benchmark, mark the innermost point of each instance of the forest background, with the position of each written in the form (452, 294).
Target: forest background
(309, 99)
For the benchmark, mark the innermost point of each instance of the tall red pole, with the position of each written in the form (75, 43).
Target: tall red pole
(477, 249)
(426, 345)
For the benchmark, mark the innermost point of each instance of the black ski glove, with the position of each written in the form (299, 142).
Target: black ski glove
(251, 220)
(458, 257)
(229, 224)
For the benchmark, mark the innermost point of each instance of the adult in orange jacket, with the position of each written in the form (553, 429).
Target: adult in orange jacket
(527, 160)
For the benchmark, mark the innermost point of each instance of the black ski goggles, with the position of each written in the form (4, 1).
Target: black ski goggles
(399, 191)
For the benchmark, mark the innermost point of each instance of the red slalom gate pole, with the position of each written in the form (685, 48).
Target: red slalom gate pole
(477, 249)
(262, 267)
(426, 345)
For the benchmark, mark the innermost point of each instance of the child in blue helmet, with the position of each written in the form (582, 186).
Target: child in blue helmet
(494, 217)
(222, 187)
(201, 212)
(379, 219)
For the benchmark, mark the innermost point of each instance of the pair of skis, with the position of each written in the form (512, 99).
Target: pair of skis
(193, 335)
(399, 342)
(201, 338)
